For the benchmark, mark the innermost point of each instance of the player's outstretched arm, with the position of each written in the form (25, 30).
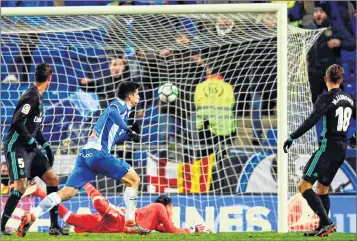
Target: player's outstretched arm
(320, 108)
(167, 224)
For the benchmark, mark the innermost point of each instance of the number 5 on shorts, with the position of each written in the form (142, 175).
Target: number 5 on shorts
(21, 163)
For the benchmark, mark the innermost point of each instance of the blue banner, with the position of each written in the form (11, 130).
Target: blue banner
(225, 213)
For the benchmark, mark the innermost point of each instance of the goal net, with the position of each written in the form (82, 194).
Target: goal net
(214, 149)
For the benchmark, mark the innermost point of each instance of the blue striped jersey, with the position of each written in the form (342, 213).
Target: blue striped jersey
(110, 127)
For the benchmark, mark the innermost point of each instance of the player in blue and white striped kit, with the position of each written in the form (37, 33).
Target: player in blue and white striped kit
(95, 158)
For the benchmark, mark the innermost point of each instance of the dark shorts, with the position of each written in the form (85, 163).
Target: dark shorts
(26, 165)
(325, 162)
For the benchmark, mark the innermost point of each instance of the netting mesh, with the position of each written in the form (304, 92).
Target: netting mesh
(219, 152)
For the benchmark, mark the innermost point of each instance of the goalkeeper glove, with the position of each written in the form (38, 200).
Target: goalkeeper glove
(133, 135)
(200, 228)
(353, 141)
(31, 146)
(49, 153)
(287, 144)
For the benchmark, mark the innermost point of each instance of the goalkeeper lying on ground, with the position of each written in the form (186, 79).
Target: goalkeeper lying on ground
(111, 219)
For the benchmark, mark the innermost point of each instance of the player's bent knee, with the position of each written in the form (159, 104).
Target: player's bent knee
(131, 179)
(21, 189)
(303, 186)
(53, 181)
(322, 189)
(136, 179)
(20, 185)
(50, 178)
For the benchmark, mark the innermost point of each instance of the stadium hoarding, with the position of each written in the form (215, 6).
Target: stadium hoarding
(24, 206)
(255, 213)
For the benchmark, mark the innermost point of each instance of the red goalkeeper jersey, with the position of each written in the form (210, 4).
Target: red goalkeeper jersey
(153, 217)
(156, 217)
(112, 222)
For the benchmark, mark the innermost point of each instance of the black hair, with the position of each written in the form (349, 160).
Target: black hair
(127, 87)
(164, 200)
(334, 73)
(43, 71)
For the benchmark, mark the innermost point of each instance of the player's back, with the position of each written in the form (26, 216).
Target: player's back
(29, 106)
(340, 108)
(107, 131)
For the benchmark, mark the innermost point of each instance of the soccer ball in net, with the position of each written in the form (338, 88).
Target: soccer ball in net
(168, 92)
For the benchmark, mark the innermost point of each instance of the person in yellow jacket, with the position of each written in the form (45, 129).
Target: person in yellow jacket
(5, 184)
(296, 11)
(214, 101)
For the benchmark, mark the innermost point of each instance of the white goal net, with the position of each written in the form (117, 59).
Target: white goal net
(213, 150)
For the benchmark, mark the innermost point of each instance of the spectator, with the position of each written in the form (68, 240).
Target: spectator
(327, 49)
(224, 26)
(229, 58)
(23, 62)
(5, 179)
(215, 121)
(339, 13)
(106, 88)
(261, 60)
(183, 67)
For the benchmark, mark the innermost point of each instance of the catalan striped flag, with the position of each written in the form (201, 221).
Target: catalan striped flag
(167, 176)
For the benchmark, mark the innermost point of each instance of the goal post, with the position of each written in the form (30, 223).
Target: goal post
(282, 111)
(283, 74)
(155, 9)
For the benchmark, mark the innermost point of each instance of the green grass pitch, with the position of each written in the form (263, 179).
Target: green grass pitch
(244, 236)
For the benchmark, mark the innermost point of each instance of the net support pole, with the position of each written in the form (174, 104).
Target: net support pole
(282, 111)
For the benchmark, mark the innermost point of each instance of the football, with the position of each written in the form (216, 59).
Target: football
(168, 92)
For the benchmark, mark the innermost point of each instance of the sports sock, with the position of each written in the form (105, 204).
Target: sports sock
(47, 204)
(316, 205)
(130, 200)
(10, 207)
(325, 199)
(54, 210)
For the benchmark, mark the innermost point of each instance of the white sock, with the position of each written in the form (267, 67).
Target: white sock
(47, 204)
(130, 200)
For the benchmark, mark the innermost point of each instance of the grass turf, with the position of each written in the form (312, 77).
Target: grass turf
(259, 236)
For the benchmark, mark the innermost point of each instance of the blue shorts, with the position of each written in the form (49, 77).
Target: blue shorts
(91, 162)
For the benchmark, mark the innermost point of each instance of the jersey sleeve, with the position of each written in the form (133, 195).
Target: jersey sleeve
(320, 108)
(167, 224)
(40, 139)
(116, 117)
(20, 118)
(161, 228)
